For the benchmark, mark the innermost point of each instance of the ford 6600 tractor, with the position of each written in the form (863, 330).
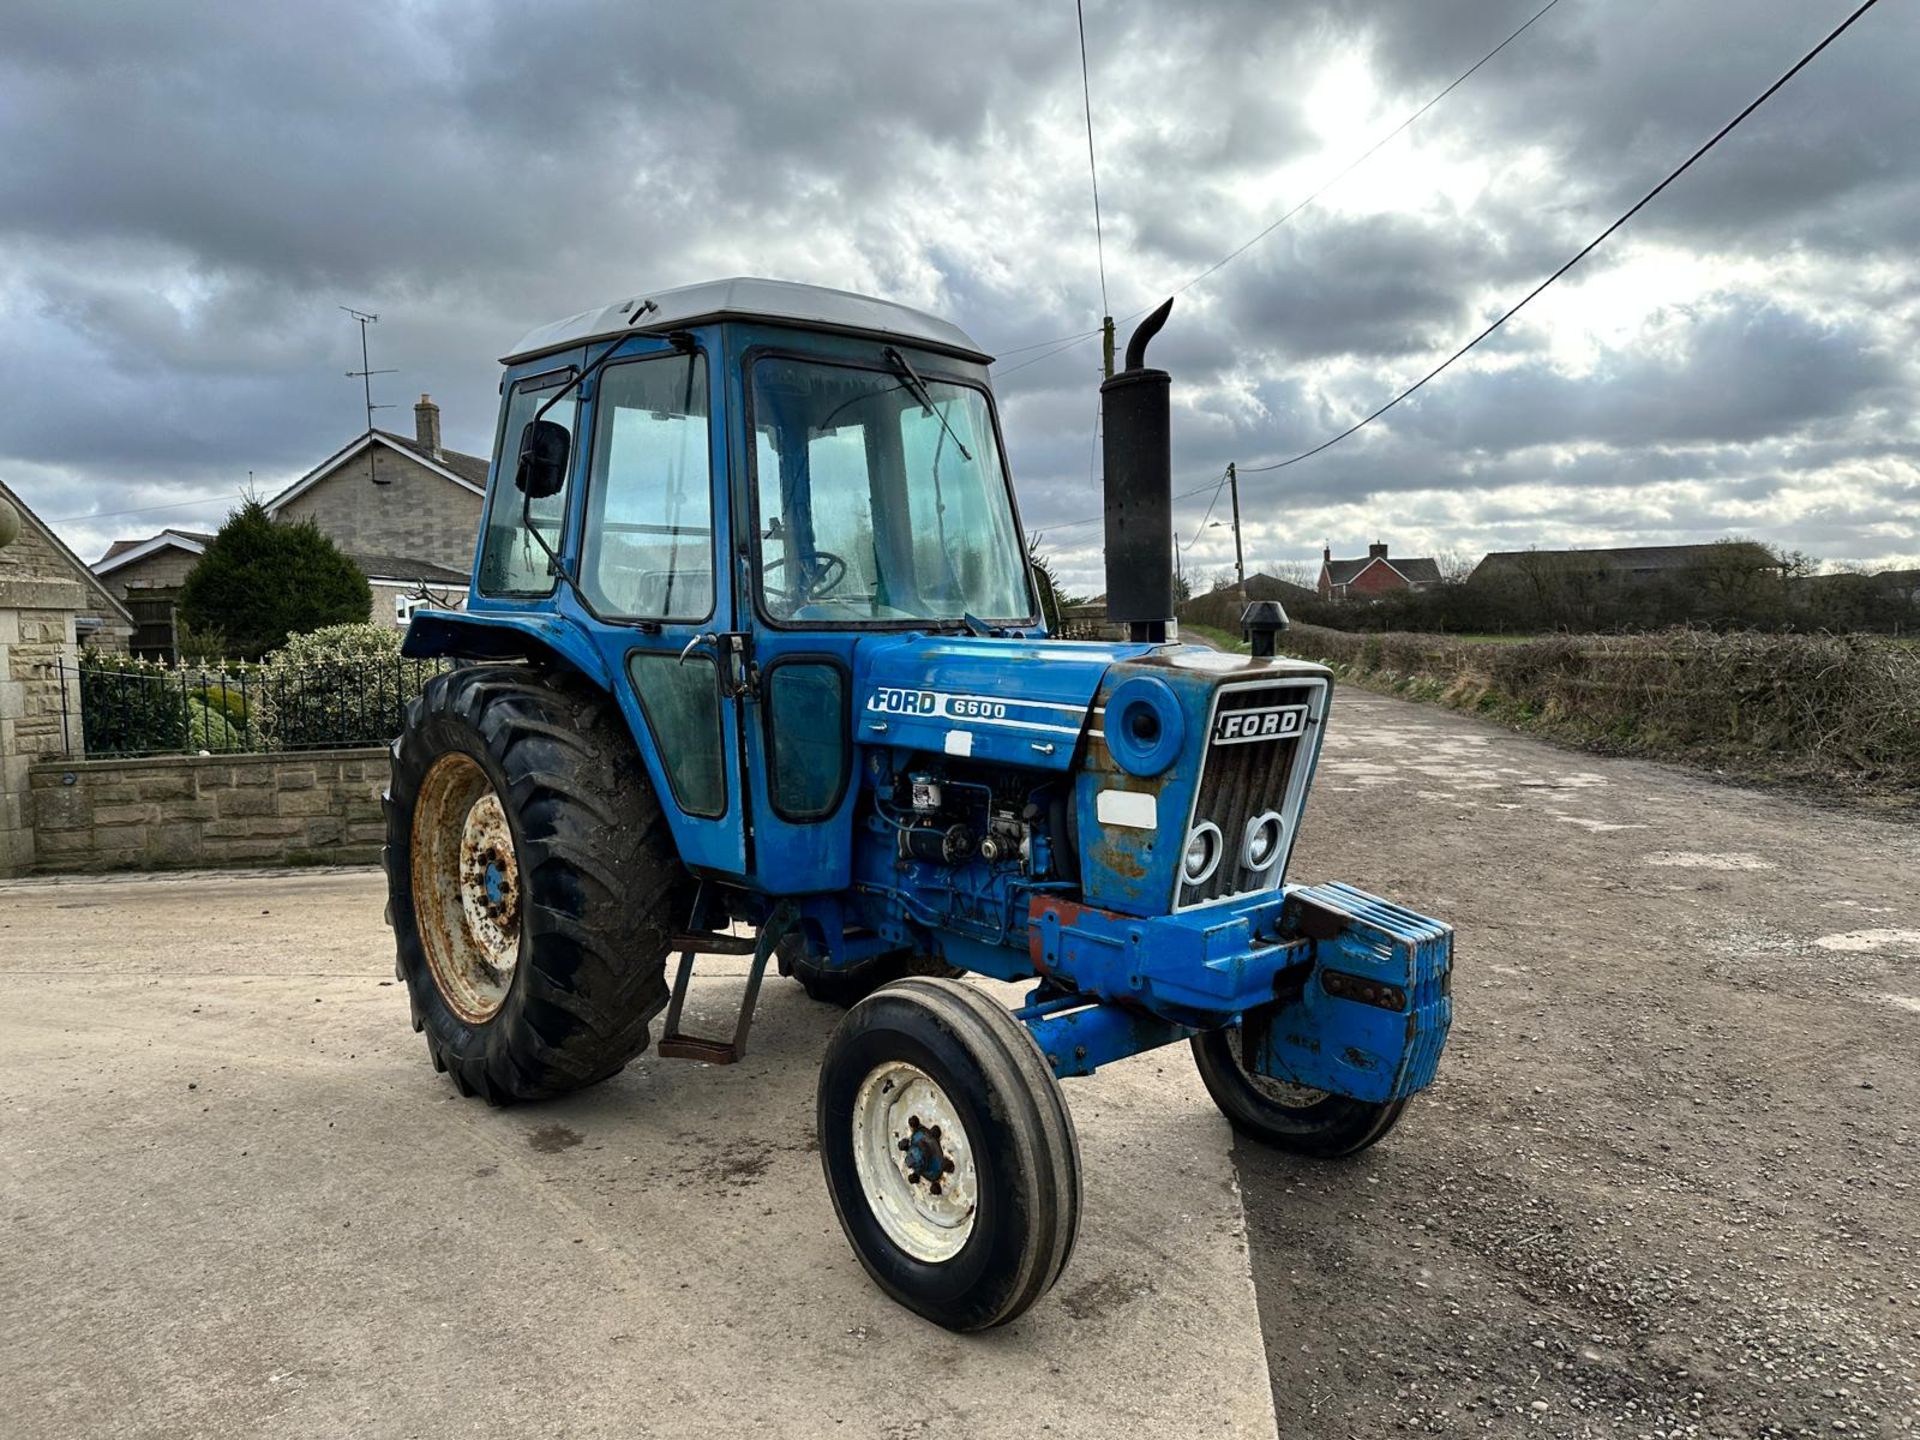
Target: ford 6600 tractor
(753, 662)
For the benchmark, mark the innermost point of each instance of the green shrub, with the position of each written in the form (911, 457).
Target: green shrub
(130, 707)
(342, 685)
(209, 731)
(261, 581)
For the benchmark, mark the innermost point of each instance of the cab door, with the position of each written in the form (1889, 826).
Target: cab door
(655, 588)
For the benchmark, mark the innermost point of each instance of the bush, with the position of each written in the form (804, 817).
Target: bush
(1818, 707)
(260, 582)
(209, 730)
(339, 686)
(129, 707)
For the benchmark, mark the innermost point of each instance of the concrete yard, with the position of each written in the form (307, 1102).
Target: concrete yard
(1668, 1183)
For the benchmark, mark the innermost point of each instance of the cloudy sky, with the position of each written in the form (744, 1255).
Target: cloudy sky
(188, 191)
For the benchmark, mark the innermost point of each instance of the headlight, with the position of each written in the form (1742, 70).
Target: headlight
(1261, 847)
(1203, 853)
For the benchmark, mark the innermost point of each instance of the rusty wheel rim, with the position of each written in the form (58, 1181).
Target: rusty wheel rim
(466, 888)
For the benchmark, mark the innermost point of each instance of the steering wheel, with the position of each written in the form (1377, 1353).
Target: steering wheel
(829, 570)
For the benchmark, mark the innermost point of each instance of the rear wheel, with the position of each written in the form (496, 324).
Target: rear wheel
(949, 1153)
(849, 986)
(532, 885)
(1287, 1117)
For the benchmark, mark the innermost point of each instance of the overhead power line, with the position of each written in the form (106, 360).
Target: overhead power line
(138, 510)
(1086, 94)
(1584, 250)
(1067, 342)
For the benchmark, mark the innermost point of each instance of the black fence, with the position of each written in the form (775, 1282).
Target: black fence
(118, 708)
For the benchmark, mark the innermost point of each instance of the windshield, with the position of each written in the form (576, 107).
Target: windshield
(880, 498)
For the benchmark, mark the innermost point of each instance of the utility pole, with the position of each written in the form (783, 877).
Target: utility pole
(365, 376)
(1239, 558)
(1106, 347)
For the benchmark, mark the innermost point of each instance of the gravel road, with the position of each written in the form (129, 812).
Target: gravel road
(1668, 1182)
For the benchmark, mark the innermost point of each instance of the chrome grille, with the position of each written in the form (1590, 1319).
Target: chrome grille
(1241, 780)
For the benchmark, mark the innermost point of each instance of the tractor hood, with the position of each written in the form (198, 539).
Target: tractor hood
(1011, 702)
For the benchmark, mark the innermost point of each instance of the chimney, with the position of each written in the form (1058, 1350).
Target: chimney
(1375, 551)
(1137, 416)
(426, 426)
(1326, 554)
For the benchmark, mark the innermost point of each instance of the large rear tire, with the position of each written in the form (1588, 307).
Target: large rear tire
(532, 884)
(949, 1153)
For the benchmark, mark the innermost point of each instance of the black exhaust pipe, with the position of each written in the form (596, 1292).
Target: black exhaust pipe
(1136, 414)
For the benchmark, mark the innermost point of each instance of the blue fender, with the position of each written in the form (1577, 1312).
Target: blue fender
(504, 635)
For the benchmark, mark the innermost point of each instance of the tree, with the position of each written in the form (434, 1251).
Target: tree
(260, 581)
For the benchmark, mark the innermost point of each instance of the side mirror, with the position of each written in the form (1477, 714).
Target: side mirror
(542, 471)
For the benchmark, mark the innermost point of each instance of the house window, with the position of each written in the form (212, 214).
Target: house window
(403, 608)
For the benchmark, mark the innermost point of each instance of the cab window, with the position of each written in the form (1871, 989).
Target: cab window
(512, 561)
(647, 552)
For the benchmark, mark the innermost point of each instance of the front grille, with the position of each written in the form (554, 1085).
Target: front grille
(1243, 779)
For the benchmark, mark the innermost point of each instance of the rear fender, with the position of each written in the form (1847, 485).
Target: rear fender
(515, 635)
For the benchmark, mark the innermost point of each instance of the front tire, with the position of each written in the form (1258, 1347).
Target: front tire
(532, 885)
(1288, 1117)
(949, 1153)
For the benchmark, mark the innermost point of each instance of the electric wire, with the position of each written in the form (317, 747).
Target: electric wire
(1583, 252)
(1234, 254)
(1086, 94)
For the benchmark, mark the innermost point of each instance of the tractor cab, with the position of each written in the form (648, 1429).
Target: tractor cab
(721, 491)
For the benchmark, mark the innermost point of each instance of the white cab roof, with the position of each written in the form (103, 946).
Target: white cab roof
(780, 301)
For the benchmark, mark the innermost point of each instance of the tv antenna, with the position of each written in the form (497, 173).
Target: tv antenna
(365, 376)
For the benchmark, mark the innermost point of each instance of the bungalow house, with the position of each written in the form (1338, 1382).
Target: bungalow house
(1374, 575)
(1631, 564)
(406, 511)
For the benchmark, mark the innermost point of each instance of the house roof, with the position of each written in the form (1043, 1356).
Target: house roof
(31, 521)
(125, 552)
(1640, 558)
(743, 298)
(1415, 571)
(407, 570)
(1271, 587)
(467, 471)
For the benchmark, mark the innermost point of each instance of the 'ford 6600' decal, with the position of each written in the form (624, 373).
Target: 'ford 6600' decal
(975, 709)
(1265, 722)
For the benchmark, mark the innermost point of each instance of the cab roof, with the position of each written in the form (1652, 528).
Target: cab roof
(741, 298)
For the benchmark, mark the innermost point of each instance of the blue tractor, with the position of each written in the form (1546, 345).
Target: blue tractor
(753, 662)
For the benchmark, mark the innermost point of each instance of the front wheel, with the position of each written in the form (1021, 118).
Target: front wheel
(1288, 1117)
(948, 1152)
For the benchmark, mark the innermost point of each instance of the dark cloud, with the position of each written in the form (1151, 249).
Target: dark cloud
(188, 192)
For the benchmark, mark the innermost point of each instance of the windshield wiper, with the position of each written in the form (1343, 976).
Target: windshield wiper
(921, 393)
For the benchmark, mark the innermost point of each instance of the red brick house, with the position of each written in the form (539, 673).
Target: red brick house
(1374, 575)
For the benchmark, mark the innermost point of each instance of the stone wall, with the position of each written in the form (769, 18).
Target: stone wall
(414, 513)
(312, 807)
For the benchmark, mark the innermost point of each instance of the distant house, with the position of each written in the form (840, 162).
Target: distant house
(38, 573)
(406, 511)
(1373, 575)
(1629, 565)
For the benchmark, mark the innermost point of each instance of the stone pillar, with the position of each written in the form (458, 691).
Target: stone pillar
(37, 714)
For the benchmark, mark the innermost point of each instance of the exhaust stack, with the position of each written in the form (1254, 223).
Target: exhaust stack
(1136, 414)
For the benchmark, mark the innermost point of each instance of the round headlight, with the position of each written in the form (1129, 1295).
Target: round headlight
(1203, 853)
(1262, 844)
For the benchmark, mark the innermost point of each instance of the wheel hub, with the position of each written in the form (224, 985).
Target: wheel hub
(467, 890)
(915, 1162)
